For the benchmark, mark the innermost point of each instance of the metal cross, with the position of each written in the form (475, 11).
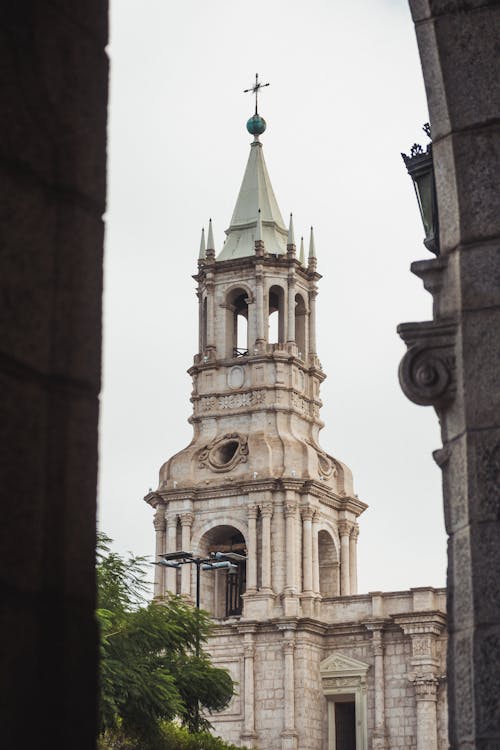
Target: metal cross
(255, 89)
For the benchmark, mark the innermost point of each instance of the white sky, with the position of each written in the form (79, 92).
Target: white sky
(346, 96)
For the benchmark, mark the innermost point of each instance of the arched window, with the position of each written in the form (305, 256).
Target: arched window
(276, 321)
(237, 323)
(300, 325)
(328, 565)
(221, 590)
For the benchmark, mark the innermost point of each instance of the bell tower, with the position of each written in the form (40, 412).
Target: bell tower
(254, 478)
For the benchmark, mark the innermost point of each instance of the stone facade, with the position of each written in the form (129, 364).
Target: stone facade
(317, 665)
(453, 361)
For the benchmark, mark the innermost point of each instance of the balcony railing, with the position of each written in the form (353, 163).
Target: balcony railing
(240, 352)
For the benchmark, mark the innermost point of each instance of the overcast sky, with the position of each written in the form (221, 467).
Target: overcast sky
(346, 96)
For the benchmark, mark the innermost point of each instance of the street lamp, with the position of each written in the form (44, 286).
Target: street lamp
(215, 561)
(420, 167)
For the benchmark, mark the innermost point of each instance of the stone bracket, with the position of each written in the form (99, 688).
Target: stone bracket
(427, 370)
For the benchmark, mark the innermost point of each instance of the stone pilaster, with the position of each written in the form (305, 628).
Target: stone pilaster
(291, 308)
(186, 524)
(424, 629)
(379, 736)
(353, 559)
(315, 553)
(426, 699)
(289, 733)
(291, 588)
(159, 527)
(259, 305)
(307, 596)
(345, 528)
(252, 511)
(210, 323)
(312, 322)
(248, 736)
(266, 512)
(171, 546)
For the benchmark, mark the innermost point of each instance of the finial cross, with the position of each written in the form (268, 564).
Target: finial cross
(255, 89)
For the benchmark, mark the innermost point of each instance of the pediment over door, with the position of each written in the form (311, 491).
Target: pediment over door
(340, 665)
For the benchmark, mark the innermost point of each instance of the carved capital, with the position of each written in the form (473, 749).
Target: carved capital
(427, 371)
(248, 650)
(187, 519)
(252, 511)
(159, 520)
(266, 510)
(355, 532)
(425, 687)
(307, 513)
(345, 528)
(290, 509)
(288, 647)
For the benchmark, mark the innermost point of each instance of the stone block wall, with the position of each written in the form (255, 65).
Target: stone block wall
(53, 75)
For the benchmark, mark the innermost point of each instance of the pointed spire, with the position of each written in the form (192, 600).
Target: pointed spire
(290, 243)
(210, 251)
(291, 236)
(259, 239)
(255, 192)
(203, 253)
(312, 252)
(302, 255)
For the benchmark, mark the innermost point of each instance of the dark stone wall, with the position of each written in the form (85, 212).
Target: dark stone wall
(459, 43)
(53, 78)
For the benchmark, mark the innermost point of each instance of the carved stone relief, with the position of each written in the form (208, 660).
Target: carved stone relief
(224, 453)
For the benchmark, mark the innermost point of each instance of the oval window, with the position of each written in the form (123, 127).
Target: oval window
(225, 453)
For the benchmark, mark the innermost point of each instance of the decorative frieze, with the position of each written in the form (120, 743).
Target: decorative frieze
(232, 401)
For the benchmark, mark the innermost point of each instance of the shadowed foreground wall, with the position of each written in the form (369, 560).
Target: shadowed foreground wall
(53, 78)
(459, 351)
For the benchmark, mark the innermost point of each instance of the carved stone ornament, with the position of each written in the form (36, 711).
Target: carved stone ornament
(233, 401)
(224, 453)
(427, 371)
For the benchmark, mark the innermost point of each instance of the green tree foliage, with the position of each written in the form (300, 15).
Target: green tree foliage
(150, 672)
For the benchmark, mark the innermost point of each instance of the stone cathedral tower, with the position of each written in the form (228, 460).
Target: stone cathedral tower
(255, 480)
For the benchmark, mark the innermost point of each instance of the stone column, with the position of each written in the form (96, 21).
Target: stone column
(266, 515)
(353, 559)
(424, 628)
(210, 312)
(315, 553)
(307, 553)
(248, 735)
(252, 549)
(171, 573)
(200, 321)
(289, 733)
(259, 307)
(290, 536)
(426, 698)
(159, 526)
(312, 321)
(291, 309)
(186, 523)
(291, 602)
(344, 531)
(379, 741)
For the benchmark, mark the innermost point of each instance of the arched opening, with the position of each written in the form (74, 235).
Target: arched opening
(237, 323)
(300, 325)
(276, 320)
(328, 565)
(221, 590)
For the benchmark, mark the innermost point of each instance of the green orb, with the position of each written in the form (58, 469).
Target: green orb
(256, 125)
